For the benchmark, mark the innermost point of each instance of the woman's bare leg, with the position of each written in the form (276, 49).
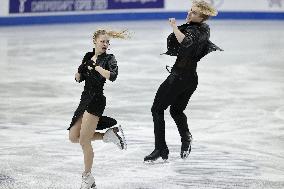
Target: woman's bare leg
(88, 129)
(74, 132)
(98, 136)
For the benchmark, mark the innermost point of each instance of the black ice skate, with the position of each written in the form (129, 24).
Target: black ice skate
(156, 154)
(186, 147)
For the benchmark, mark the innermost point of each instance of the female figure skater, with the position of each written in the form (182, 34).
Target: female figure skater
(189, 42)
(96, 67)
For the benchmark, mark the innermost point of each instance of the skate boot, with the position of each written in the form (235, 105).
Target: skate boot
(186, 146)
(157, 154)
(88, 181)
(116, 136)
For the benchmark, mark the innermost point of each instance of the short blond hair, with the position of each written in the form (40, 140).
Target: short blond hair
(205, 8)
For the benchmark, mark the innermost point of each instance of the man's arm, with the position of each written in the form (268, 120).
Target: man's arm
(179, 35)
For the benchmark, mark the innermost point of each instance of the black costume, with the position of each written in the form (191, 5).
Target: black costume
(92, 98)
(177, 89)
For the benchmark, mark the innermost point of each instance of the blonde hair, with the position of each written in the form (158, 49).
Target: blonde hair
(205, 8)
(124, 34)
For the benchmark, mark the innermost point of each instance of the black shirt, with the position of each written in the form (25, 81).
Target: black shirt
(194, 46)
(94, 81)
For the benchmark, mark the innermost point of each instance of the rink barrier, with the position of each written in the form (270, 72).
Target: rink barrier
(79, 18)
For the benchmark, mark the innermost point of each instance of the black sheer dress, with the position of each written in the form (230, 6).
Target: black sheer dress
(92, 98)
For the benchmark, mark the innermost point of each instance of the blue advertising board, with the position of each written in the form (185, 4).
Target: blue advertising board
(37, 6)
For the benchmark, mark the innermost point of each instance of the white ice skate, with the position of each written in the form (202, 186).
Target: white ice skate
(88, 181)
(116, 136)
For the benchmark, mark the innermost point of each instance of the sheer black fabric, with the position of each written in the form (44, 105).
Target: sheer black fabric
(194, 46)
(92, 98)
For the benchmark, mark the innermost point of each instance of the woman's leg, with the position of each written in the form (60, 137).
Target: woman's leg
(74, 132)
(88, 128)
(98, 136)
(104, 122)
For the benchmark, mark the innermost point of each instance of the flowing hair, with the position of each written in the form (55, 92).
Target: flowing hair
(124, 34)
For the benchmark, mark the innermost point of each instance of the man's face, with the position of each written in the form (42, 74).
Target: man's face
(194, 15)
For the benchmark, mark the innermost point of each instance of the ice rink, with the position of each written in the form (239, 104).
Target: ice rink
(236, 115)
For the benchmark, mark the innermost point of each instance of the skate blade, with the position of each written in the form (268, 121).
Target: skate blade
(157, 161)
(185, 155)
(124, 144)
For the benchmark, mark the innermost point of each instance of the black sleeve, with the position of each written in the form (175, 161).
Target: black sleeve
(113, 68)
(194, 35)
(83, 66)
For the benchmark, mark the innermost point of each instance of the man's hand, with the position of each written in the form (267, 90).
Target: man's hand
(179, 35)
(173, 22)
(77, 77)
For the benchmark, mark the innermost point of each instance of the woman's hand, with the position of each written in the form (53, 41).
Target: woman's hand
(173, 22)
(93, 66)
(105, 73)
(77, 77)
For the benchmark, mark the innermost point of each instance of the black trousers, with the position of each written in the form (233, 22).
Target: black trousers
(175, 92)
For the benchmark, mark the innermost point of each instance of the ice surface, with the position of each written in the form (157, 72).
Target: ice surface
(236, 115)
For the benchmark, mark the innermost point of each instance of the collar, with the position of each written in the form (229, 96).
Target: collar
(194, 23)
(101, 55)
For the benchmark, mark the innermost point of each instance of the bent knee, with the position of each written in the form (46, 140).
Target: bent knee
(73, 138)
(84, 141)
(156, 110)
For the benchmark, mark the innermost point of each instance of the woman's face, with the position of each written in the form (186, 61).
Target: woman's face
(102, 43)
(194, 15)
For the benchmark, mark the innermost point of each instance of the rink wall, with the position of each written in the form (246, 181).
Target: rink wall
(25, 12)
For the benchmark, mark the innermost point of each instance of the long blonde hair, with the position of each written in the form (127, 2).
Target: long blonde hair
(124, 34)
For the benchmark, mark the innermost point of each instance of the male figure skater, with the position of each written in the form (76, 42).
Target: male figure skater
(189, 43)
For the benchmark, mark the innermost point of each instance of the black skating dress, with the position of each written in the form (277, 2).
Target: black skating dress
(92, 99)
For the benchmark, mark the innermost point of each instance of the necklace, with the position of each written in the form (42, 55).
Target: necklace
(94, 58)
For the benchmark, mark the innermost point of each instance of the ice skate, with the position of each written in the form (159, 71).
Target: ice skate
(88, 181)
(156, 154)
(116, 136)
(186, 147)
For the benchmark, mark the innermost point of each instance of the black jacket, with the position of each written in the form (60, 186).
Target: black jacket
(194, 46)
(93, 79)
